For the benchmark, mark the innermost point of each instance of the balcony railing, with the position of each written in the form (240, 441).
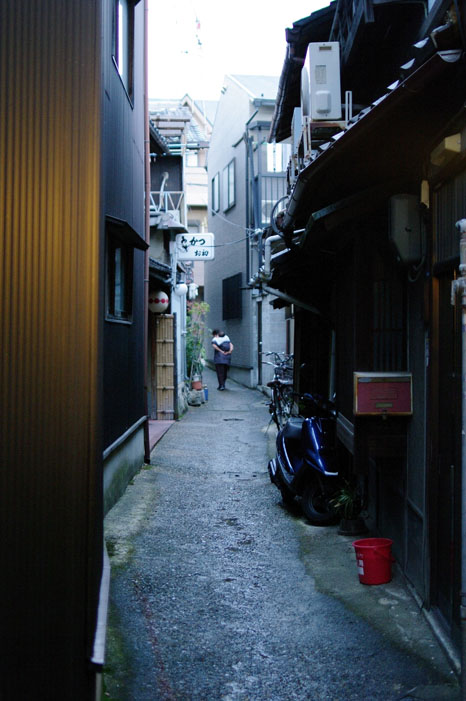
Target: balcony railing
(167, 201)
(272, 187)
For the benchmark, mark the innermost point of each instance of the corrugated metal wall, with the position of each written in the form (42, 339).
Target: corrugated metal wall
(50, 446)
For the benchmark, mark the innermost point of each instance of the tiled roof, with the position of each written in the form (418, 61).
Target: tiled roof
(372, 148)
(174, 120)
(422, 51)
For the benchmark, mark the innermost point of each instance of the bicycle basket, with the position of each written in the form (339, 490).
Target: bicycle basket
(284, 373)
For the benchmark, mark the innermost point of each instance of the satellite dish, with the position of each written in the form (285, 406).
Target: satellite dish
(305, 92)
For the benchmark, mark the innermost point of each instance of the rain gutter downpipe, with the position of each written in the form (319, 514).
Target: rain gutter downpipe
(265, 274)
(458, 287)
(295, 199)
(146, 228)
(266, 270)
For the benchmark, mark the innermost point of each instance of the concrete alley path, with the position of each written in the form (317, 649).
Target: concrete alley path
(220, 594)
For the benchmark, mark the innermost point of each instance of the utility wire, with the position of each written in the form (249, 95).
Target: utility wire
(247, 231)
(229, 243)
(239, 226)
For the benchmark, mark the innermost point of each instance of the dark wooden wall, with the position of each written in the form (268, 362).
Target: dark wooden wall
(123, 198)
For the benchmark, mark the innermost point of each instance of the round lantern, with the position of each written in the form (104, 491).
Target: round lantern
(181, 289)
(158, 302)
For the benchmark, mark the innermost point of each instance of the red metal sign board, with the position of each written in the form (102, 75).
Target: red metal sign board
(384, 393)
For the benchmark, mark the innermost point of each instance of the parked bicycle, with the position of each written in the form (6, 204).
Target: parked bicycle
(282, 400)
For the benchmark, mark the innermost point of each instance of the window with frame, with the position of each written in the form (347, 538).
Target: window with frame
(216, 192)
(123, 42)
(229, 185)
(278, 156)
(232, 298)
(119, 274)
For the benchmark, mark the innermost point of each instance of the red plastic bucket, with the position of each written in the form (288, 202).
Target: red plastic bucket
(374, 560)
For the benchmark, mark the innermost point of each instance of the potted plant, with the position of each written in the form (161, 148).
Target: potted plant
(347, 503)
(195, 351)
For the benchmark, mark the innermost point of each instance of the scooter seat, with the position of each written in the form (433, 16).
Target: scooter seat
(292, 429)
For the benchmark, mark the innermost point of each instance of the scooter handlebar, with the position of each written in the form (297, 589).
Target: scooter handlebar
(317, 400)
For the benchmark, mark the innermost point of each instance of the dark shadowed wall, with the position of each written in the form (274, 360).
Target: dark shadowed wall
(50, 311)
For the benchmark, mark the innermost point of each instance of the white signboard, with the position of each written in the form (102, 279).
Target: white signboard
(195, 246)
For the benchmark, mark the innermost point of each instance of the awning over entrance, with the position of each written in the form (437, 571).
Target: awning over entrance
(126, 233)
(159, 271)
(299, 277)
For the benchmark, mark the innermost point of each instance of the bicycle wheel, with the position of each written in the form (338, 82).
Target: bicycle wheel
(282, 405)
(287, 402)
(276, 408)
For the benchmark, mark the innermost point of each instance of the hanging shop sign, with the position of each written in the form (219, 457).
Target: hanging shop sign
(195, 246)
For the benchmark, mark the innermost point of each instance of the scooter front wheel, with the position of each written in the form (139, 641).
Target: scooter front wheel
(316, 507)
(287, 496)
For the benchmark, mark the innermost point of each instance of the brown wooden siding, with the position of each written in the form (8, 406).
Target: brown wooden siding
(50, 448)
(445, 409)
(449, 208)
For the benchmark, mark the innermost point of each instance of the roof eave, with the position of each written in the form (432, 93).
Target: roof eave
(430, 94)
(316, 27)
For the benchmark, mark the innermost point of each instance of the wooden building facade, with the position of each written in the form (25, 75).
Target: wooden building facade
(377, 205)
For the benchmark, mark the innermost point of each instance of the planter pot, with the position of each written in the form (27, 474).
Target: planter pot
(196, 384)
(352, 526)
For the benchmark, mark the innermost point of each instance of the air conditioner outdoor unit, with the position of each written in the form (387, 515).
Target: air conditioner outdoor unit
(305, 93)
(324, 81)
(296, 129)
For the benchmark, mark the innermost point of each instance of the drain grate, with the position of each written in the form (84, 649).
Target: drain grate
(234, 419)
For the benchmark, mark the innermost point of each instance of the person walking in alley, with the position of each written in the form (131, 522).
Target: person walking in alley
(223, 348)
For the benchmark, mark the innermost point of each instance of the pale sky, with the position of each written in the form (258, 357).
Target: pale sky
(193, 44)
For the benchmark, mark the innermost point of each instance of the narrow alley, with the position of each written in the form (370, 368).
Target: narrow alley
(219, 593)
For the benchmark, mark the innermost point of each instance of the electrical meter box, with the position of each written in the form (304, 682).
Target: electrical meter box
(405, 227)
(324, 79)
(384, 393)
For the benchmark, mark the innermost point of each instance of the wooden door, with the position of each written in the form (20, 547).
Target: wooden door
(447, 461)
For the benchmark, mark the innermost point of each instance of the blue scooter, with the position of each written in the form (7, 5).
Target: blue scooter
(305, 466)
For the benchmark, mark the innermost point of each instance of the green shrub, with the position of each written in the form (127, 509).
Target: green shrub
(347, 502)
(195, 333)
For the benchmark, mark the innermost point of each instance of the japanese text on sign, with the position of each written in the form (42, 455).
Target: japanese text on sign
(195, 246)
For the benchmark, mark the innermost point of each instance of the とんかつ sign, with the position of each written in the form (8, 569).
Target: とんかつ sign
(195, 246)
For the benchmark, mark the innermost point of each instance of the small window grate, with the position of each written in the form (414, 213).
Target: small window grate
(232, 297)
